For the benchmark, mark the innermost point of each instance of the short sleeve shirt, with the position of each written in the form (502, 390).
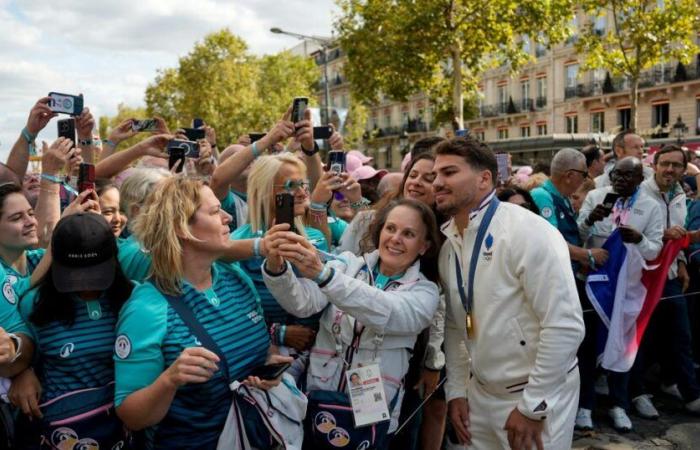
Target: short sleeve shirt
(134, 259)
(21, 281)
(10, 319)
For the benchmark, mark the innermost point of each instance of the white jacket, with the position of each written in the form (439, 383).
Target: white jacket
(674, 213)
(527, 316)
(398, 313)
(646, 217)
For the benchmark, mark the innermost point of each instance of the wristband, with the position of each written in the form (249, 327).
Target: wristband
(29, 137)
(18, 346)
(110, 143)
(591, 260)
(325, 282)
(322, 275)
(51, 178)
(256, 247)
(318, 206)
(254, 148)
(360, 203)
(311, 152)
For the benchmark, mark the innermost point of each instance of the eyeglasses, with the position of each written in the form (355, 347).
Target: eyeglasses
(622, 175)
(674, 164)
(293, 185)
(582, 172)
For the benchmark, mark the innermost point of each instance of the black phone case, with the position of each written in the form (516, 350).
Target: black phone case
(284, 209)
(66, 129)
(323, 132)
(176, 154)
(270, 371)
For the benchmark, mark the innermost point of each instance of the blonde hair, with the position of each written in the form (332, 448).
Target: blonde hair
(535, 180)
(162, 223)
(136, 187)
(261, 190)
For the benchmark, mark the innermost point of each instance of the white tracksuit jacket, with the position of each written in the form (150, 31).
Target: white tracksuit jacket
(398, 313)
(527, 316)
(646, 217)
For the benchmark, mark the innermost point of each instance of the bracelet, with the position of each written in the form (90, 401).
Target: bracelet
(110, 143)
(360, 203)
(256, 247)
(323, 275)
(255, 150)
(51, 178)
(319, 206)
(29, 137)
(591, 260)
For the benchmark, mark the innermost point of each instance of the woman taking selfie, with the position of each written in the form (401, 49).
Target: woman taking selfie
(378, 302)
(165, 378)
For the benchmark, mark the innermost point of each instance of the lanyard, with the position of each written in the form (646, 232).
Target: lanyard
(483, 227)
(621, 213)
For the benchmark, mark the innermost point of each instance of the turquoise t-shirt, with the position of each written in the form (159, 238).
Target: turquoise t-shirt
(337, 227)
(10, 319)
(135, 261)
(151, 336)
(73, 357)
(274, 313)
(21, 281)
(229, 204)
(545, 203)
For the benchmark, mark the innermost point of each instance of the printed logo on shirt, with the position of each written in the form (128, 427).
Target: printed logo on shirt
(546, 212)
(9, 293)
(488, 253)
(122, 346)
(12, 279)
(637, 211)
(66, 350)
(254, 316)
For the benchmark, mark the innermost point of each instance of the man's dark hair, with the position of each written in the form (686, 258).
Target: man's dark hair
(425, 145)
(592, 153)
(670, 148)
(476, 154)
(619, 140)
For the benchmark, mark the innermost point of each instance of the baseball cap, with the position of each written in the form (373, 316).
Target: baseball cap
(352, 162)
(361, 156)
(84, 253)
(367, 172)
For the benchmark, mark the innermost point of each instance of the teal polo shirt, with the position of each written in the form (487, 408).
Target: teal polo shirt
(21, 282)
(134, 260)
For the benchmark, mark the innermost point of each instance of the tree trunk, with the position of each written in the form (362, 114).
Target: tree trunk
(635, 102)
(457, 96)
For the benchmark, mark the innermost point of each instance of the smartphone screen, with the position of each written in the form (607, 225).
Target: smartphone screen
(176, 154)
(66, 103)
(323, 132)
(66, 129)
(270, 371)
(86, 177)
(336, 161)
(284, 209)
(143, 125)
(502, 160)
(194, 134)
(298, 107)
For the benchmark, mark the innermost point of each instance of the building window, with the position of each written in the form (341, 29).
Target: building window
(542, 129)
(405, 119)
(572, 124)
(389, 151)
(624, 118)
(502, 99)
(525, 95)
(503, 133)
(659, 115)
(571, 75)
(541, 92)
(526, 44)
(387, 120)
(481, 136)
(597, 122)
(600, 25)
(525, 131)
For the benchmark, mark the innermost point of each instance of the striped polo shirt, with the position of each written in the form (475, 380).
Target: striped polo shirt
(274, 313)
(151, 336)
(135, 261)
(74, 356)
(21, 282)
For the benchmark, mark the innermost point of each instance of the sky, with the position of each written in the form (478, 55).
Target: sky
(109, 50)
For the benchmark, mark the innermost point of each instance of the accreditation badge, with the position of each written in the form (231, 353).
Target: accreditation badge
(367, 395)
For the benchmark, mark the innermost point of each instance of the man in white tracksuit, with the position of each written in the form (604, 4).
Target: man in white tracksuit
(511, 360)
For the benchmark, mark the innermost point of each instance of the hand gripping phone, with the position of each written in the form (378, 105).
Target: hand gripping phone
(336, 162)
(66, 129)
(143, 125)
(86, 177)
(610, 199)
(299, 105)
(270, 371)
(284, 209)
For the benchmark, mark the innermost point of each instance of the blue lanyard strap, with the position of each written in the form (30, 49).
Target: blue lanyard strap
(467, 300)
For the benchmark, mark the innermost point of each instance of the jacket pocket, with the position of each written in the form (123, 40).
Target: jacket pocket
(521, 342)
(323, 366)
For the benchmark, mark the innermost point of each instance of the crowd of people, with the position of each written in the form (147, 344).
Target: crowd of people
(256, 296)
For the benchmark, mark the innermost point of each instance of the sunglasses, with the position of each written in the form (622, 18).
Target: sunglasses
(293, 185)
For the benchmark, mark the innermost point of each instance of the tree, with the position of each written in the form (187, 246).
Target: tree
(232, 90)
(403, 47)
(644, 33)
(106, 124)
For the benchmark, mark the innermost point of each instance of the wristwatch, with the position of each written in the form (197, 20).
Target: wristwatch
(310, 152)
(18, 346)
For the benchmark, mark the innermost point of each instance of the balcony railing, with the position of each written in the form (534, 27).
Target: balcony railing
(541, 103)
(526, 104)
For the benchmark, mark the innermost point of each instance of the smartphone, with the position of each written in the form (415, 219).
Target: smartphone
(86, 177)
(323, 132)
(197, 122)
(336, 161)
(143, 125)
(270, 371)
(256, 136)
(176, 154)
(502, 161)
(66, 129)
(610, 199)
(190, 148)
(299, 105)
(194, 134)
(66, 103)
(284, 209)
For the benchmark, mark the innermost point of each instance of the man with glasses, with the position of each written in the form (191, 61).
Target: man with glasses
(640, 221)
(669, 328)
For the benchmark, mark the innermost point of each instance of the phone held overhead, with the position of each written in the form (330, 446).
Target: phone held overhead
(66, 103)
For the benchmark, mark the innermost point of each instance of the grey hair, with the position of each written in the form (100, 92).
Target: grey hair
(566, 159)
(137, 186)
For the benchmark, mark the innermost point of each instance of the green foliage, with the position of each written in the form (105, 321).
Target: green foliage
(107, 124)
(644, 33)
(355, 123)
(402, 47)
(232, 90)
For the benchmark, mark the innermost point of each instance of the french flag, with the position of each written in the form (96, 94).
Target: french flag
(624, 293)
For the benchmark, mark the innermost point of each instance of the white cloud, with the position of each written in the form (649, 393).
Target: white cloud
(109, 50)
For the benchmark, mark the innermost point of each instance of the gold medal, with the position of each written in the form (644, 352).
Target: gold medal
(470, 326)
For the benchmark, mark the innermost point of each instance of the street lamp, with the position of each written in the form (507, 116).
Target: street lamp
(325, 44)
(403, 142)
(679, 128)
